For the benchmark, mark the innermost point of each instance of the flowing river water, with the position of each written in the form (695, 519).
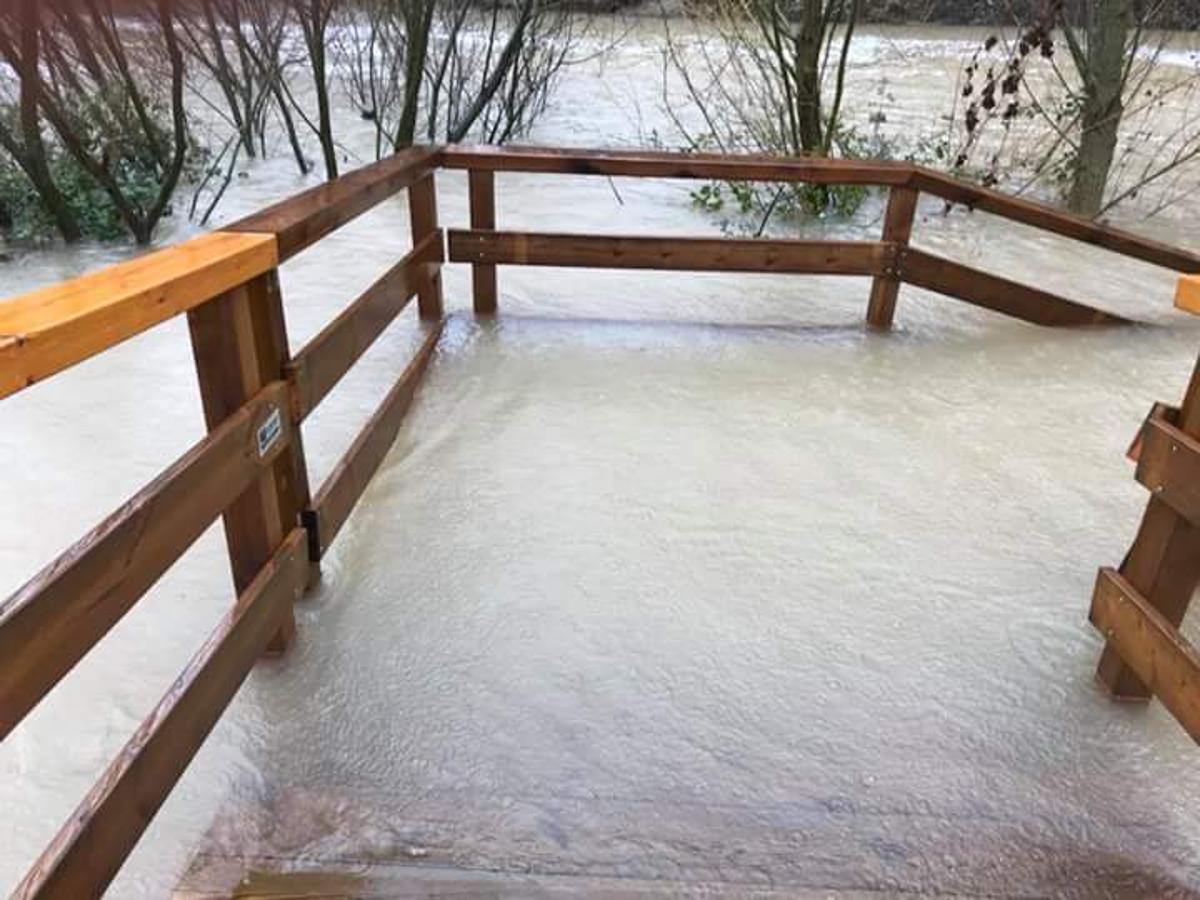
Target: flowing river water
(669, 580)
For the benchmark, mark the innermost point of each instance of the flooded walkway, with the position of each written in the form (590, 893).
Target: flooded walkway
(643, 607)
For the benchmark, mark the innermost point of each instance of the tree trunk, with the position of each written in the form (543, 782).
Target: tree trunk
(1103, 105)
(34, 158)
(808, 77)
(314, 33)
(419, 23)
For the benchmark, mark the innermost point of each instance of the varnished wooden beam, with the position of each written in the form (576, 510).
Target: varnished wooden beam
(335, 500)
(692, 254)
(325, 359)
(91, 847)
(239, 342)
(482, 188)
(998, 294)
(655, 164)
(1169, 466)
(423, 215)
(1151, 646)
(304, 219)
(50, 329)
(59, 615)
(897, 230)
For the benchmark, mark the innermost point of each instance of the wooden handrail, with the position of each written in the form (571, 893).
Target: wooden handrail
(817, 171)
(250, 469)
(302, 220)
(662, 164)
(48, 330)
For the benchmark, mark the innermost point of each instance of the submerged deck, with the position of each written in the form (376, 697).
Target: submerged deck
(636, 609)
(629, 607)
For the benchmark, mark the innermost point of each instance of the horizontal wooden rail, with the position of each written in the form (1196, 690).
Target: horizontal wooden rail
(51, 329)
(61, 613)
(998, 294)
(89, 850)
(335, 500)
(325, 359)
(1169, 465)
(304, 219)
(692, 254)
(1151, 646)
(655, 164)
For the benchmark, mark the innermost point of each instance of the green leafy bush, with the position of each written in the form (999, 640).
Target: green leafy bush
(106, 132)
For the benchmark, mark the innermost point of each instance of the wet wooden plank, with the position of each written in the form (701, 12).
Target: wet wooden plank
(1151, 646)
(1056, 221)
(655, 164)
(51, 329)
(91, 847)
(61, 613)
(1169, 466)
(335, 500)
(897, 230)
(1158, 412)
(304, 219)
(325, 359)
(482, 189)
(690, 254)
(998, 294)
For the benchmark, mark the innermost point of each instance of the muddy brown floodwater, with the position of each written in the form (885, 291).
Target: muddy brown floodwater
(671, 583)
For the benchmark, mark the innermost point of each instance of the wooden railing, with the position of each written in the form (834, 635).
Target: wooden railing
(250, 469)
(1140, 607)
(890, 262)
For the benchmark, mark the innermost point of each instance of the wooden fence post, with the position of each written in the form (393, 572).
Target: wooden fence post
(239, 341)
(422, 208)
(1163, 565)
(897, 229)
(482, 188)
